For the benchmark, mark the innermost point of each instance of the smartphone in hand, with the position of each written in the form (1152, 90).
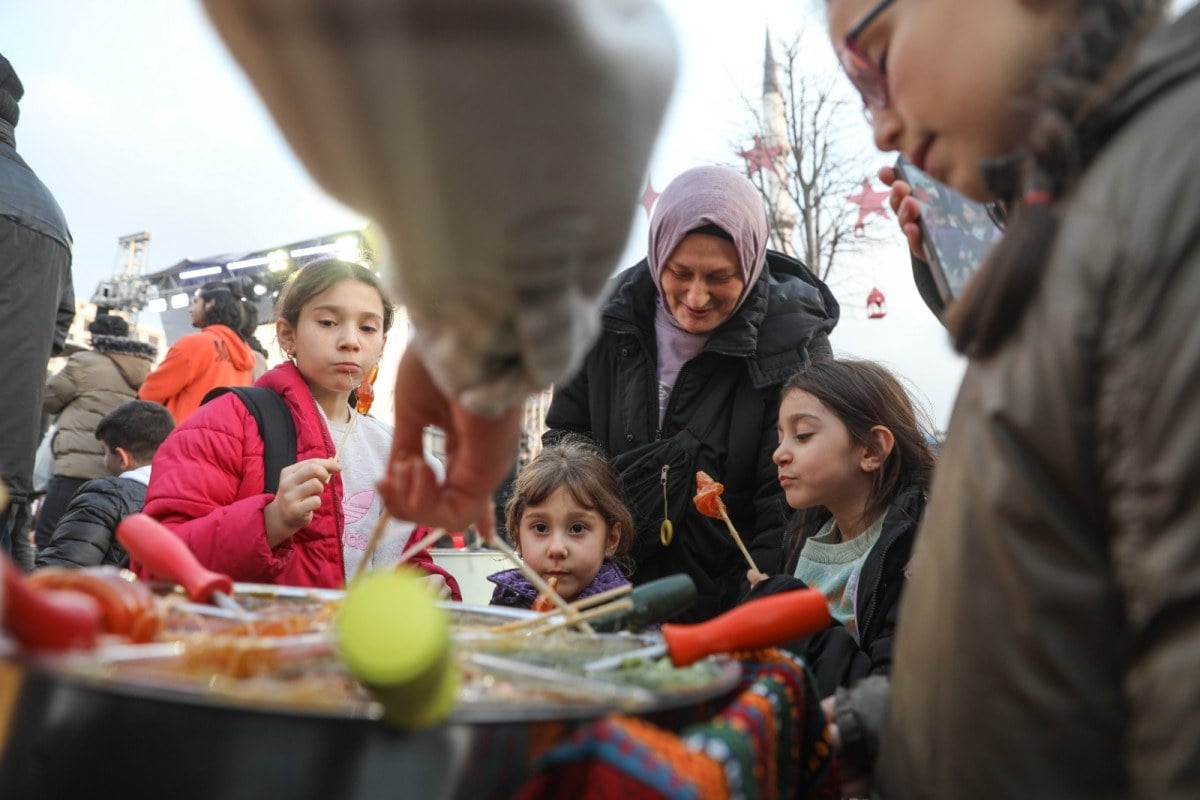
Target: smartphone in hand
(957, 232)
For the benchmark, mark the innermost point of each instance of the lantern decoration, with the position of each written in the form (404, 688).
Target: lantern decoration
(876, 304)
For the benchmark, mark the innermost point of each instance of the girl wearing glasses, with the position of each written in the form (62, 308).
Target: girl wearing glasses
(1051, 635)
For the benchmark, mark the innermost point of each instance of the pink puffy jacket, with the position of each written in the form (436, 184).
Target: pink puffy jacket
(207, 486)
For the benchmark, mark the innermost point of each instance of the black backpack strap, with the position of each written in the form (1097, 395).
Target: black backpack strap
(275, 425)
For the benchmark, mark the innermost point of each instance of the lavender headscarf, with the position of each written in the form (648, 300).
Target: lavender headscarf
(699, 197)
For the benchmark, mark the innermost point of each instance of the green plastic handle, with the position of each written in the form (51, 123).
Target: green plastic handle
(653, 602)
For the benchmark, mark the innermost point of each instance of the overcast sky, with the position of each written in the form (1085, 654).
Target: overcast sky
(138, 120)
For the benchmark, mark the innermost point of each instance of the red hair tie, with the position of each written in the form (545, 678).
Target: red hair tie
(1037, 197)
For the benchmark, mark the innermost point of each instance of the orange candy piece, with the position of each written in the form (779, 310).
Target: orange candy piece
(708, 496)
(366, 391)
(542, 603)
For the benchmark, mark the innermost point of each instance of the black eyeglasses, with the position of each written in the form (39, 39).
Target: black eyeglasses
(864, 73)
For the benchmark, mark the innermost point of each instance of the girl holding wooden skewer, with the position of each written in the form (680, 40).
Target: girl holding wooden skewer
(332, 319)
(856, 462)
(568, 522)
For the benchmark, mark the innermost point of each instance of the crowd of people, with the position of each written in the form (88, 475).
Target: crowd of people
(1016, 621)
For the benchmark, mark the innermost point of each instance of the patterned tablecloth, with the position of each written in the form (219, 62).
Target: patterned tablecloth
(766, 740)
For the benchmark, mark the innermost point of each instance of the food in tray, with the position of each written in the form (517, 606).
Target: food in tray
(285, 658)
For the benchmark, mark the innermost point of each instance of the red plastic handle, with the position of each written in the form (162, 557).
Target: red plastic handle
(47, 619)
(165, 555)
(765, 622)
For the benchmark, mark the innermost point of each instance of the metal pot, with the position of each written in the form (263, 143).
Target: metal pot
(67, 734)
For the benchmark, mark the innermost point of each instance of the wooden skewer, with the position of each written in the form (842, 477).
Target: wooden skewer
(623, 604)
(376, 535)
(733, 531)
(602, 597)
(538, 582)
(578, 605)
(337, 454)
(427, 540)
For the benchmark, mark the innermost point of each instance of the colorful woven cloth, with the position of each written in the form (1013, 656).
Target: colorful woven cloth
(768, 742)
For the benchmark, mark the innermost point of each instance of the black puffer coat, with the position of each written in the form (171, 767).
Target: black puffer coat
(85, 536)
(721, 418)
(833, 656)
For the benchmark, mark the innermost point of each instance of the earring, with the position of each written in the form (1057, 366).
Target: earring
(291, 355)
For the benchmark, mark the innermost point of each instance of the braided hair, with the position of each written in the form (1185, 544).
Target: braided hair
(1064, 135)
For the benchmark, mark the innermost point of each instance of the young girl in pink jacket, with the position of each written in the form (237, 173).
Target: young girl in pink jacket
(332, 319)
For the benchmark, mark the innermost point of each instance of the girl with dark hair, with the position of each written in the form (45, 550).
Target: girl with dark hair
(568, 521)
(332, 319)
(1049, 642)
(855, 461)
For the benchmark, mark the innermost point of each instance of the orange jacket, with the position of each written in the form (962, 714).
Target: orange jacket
(198, 362)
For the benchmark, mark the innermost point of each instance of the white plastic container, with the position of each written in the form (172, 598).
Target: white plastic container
(471, 568)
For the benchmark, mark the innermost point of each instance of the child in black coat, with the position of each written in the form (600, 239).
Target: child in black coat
(85, 534)
(856, 463)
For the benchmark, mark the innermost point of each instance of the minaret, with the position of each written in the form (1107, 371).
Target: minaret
(774, 124)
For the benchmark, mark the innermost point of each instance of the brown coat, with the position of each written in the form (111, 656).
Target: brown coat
(1051, 637)
(88, 387)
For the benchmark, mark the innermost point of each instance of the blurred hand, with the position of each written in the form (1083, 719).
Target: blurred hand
(300, 488)
(854, 782)
(907, 210)
(479, 453)
(437, 585)
(754, 577)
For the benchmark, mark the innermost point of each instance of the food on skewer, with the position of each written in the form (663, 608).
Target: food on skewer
(366, 390)
(708, 496)
(709, 503)
(542, 603)
(128, 608)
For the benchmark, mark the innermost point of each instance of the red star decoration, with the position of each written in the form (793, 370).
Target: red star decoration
(760, 156)
(649, 196)
(869, 201)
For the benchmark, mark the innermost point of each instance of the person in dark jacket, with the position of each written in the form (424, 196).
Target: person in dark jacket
(855, 460)
(85, 535)
(36, 308)
(696, 341)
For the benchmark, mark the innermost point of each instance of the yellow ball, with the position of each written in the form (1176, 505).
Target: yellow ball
(395, 639)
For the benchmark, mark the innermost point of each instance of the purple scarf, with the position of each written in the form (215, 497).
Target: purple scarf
(515, 591)
(701, 196)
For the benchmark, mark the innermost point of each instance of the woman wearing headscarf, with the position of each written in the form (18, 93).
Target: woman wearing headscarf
(696, 341)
